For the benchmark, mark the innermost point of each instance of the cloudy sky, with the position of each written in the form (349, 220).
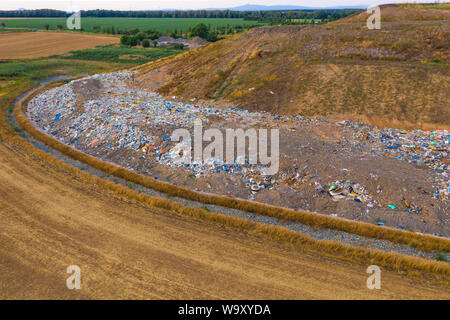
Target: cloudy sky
(175, 4)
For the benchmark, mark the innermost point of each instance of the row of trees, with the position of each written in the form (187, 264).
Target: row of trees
(135, 37)
(247, 15)
(139, 39)
(329, 15)
(133, 41)
(201, 30)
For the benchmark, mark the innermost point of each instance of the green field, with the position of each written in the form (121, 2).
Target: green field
(122, 55)
(143, 24)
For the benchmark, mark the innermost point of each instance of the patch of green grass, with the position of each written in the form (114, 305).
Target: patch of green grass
(222, 89)
(122, 55)
(38, 69)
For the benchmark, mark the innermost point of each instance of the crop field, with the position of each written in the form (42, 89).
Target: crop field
(26, 45)
(143, 24)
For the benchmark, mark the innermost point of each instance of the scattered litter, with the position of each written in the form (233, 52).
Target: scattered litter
(135, 123)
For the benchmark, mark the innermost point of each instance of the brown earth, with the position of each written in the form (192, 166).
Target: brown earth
(51, 220)
(406, 12)
(397, 76)
(26, 45)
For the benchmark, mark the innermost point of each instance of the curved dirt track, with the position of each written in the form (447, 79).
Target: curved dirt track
(50, 220)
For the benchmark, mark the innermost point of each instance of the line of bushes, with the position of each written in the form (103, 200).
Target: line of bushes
(418, 241)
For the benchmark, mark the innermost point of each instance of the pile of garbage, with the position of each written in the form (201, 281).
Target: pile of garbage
(121, 119)
(429, 148)
(351, 191)
(118, 118)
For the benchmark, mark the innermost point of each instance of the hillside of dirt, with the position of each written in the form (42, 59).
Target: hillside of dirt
(397, 76)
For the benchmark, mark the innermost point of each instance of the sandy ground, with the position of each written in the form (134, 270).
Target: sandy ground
(26, 45)
(51, 220)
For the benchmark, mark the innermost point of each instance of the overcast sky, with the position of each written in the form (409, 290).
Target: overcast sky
(175, 4)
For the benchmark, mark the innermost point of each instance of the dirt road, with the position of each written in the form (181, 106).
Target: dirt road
(50, 220)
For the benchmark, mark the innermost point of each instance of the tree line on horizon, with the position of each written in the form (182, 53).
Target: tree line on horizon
(263, 16)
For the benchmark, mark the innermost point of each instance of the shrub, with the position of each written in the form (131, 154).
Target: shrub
(179, 46)
(146, 43)
(200, 30)
(134, 41)
(125, 40)
(141, 36)
(212, 37)
(152, 34)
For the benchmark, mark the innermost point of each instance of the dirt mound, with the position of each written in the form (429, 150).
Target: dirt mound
(397, 76)
(406, 12)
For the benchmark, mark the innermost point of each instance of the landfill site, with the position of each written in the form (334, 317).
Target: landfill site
(389, 177)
